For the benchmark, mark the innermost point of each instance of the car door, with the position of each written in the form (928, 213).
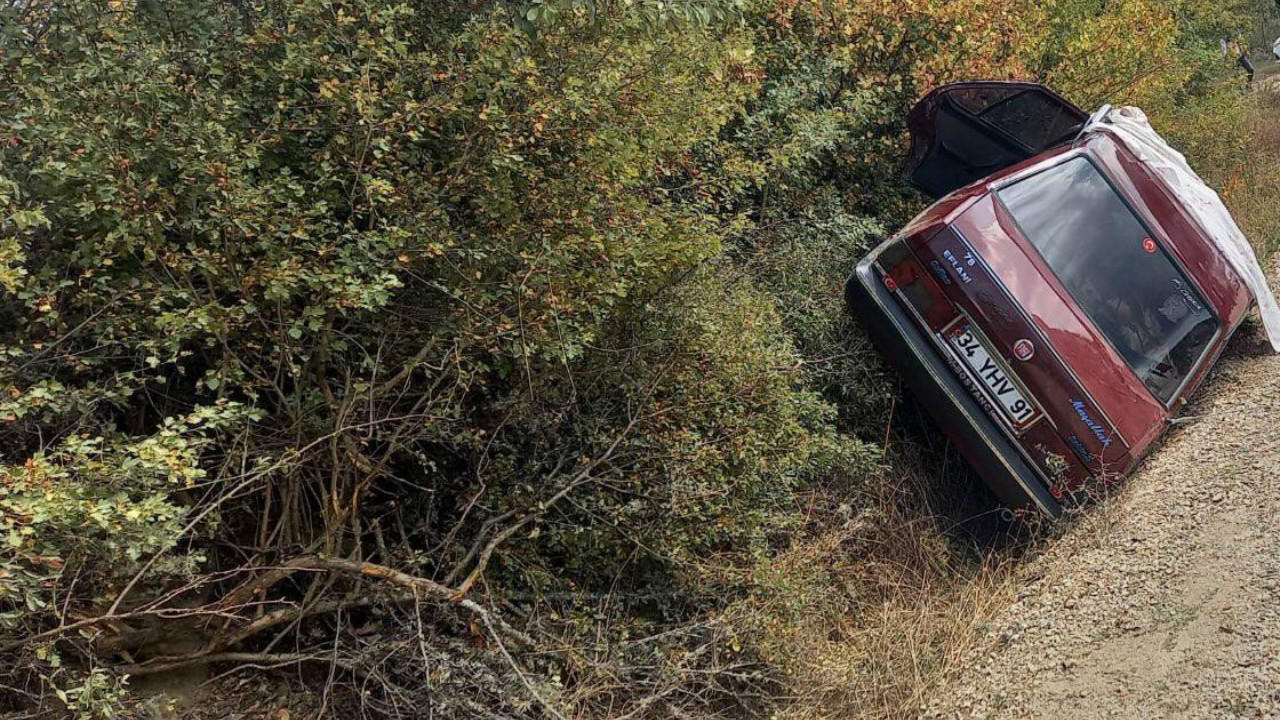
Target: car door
(964, 132)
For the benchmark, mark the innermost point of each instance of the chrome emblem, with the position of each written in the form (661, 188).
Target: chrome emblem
(1024, 350)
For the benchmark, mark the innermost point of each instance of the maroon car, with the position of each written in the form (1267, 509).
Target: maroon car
(1057, 306)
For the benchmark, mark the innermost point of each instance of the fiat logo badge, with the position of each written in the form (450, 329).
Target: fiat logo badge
(1024, 350)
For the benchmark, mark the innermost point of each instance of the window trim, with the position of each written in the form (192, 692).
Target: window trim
(1165, 246)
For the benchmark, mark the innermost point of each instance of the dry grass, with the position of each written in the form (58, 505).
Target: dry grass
(867, 619)
(885, 662)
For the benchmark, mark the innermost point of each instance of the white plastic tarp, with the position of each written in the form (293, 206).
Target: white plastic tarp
(1131, 127)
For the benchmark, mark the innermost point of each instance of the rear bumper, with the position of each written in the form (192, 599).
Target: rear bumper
(999, 462)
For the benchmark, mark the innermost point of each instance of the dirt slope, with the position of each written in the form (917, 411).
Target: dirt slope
(1166, 602)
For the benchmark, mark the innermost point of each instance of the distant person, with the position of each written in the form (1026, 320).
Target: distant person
(1247, 64)
(1240, 49)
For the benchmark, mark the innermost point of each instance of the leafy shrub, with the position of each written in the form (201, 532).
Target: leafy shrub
(531, 304)
(89, 499)
(803, 264)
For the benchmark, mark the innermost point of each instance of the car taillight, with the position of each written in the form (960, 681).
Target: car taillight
(910, 281)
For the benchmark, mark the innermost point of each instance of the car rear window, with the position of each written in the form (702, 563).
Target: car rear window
(1121, 277)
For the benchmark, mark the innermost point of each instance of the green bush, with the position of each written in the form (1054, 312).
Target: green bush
(803, 264)
(350, 266)
(536, 302)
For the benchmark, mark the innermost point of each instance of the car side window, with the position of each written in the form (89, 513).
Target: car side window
(977, 99)
(1032, 117)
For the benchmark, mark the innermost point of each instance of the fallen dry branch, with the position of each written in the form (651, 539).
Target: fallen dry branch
(264, 660)
(429, 588)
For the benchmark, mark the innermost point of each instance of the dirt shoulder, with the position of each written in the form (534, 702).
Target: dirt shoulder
(1165, 603)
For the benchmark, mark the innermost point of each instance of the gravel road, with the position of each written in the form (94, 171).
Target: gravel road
(1165, 602)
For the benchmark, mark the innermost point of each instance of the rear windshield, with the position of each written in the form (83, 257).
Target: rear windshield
(1117, 272)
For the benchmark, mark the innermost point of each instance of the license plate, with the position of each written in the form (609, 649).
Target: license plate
(984, 372)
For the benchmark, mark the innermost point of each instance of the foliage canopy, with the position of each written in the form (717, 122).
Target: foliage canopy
(534, 300)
